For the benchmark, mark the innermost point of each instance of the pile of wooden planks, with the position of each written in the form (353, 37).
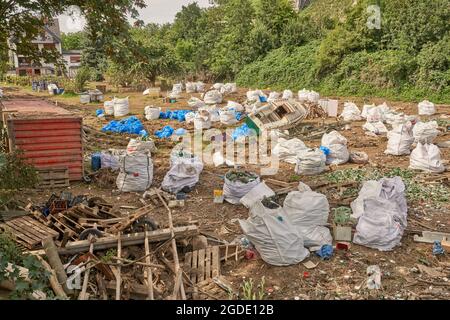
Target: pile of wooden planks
(28, 232)
(53, 178)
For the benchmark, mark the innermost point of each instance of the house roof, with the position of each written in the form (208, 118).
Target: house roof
(52, 27)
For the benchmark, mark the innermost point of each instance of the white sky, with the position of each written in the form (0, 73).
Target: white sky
(157, 11)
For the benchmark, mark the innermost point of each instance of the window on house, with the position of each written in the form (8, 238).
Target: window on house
(22, 72)
(37, 72)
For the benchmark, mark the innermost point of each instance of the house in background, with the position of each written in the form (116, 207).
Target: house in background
(72, 60)
(50, 38)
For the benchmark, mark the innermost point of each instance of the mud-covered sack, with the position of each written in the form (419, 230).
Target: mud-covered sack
(274, 236)
(287, 150)
(136, 172)
(184, 172)
(233, 191)
(400, 140)
(359, 157)
(425, 132)
(426, 157)
(310, 162)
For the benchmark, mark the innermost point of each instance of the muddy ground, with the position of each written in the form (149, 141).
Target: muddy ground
(341, 277)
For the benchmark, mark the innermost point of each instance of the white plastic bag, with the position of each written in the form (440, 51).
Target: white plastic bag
(273, 235)
(234, 105)
(253, 96)
(337, 144)
(366, 109)
(400, 140)
(202, 120)
(426, 108)
(136, 172)
(212, 97)
(218, 86)
(121, 107)
(426, 157)
(228, 117)
(256, 194)
(287, 94)
(200, 86)
(313, 96)
(152, 113)
(109, 107)
(191, 87)
(184, 172)
(351, 112)
(228, 88)
(190, 116)
(310, 162)
(194, 102)
(374, 115)
(303, 95)
(233, 191)
(273, 96)
(375, 127)
(287, 150)
(110, 158)
(425, 132)
(309, 212)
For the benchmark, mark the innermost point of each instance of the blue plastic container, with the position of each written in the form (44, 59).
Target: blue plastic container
(96, 161)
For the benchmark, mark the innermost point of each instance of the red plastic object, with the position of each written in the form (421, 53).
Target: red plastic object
(306, 274)
(250, 255)
(342, 246)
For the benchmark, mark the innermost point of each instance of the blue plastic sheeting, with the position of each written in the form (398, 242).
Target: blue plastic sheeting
(325, 150)
(262, 99)
(165, 132)
(179, 115)
(437, 248)
(325, 252)
(129, 125)
(143, 133)
(239, 116)
(99, 112)
(242, 131)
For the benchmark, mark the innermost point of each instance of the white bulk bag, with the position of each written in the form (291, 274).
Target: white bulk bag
(381, 226)
(426, 157)
(233, 191)
(303, 95)
(287, 94)
(400, 140)
(109, 107)
(287, 150)
(256, 194)
(212, 97)
(426, 108)
(375, 115)
(313, 97)
(191, 87)
(254, 95)
(121, 107)
(228, 117)
(375, 127)
(234, 105)
(337, 144)
(229, 88)
(366, 109)
(152, 113)
(307, 208)
(136, 172)
(273, 96)
(310, 162)
(190, 116)
(194, 102)
(273, 235)
(184, 172)
(218, 86)
(138, 146)
(200, 86)
(425, 132)
(351, 112)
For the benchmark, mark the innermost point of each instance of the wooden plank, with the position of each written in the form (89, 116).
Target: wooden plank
(188, 263)
(30, 242)
(118, 275)
(215, 261)
(194, 266)
(130, 239)
(29, 230)
(41, 226)
(19, 225)
(208, 263)
(148, 272)
(201, 265)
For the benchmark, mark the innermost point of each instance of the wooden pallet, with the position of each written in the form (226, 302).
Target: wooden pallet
(29, 232)
(209, 290)
(53, 178)
(202, 264)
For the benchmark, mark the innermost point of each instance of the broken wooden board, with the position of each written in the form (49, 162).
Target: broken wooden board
(210, 290)
(29, 232)
(202, 264)
(432, 236)
(129, 239)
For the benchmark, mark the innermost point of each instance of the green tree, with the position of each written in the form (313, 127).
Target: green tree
(73, 41)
